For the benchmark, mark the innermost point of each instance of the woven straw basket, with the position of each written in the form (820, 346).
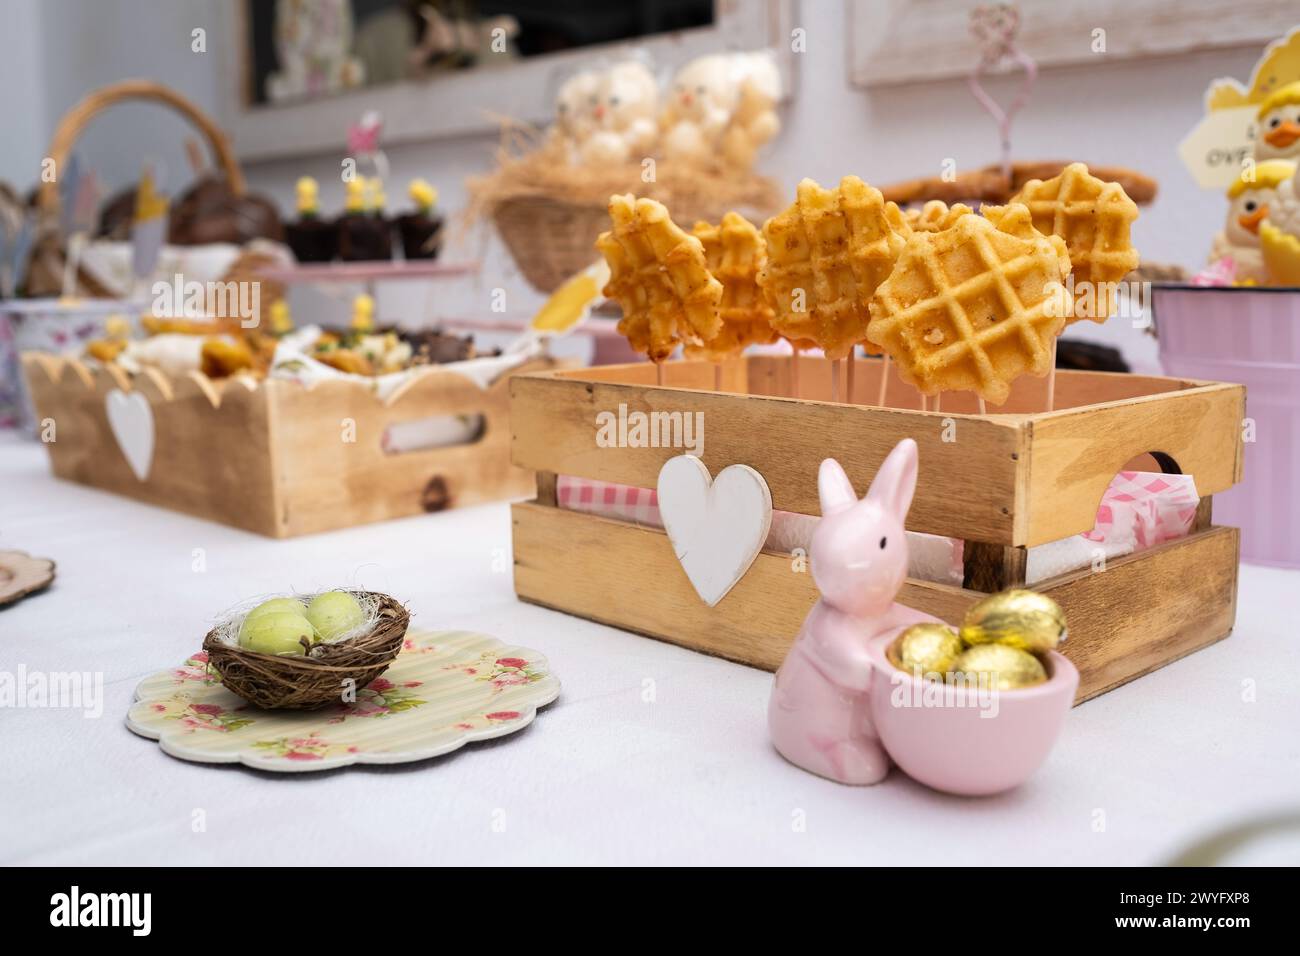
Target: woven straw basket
(299, 683)
(550, 240)
(76, 119)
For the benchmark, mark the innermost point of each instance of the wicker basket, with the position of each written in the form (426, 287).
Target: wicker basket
(45, 274)
(548, 239)
(301, 683)
(76, 119)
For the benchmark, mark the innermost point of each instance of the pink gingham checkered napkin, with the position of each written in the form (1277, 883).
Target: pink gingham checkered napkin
(622, 502)
(1146, 507)
(1153, 507)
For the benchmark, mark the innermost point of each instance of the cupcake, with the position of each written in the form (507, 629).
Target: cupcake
(421, 230)
(311, 238)
(364, 233)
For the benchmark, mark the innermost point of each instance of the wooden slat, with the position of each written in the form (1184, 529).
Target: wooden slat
(969, 466)
(1145, 610)
(627, 576)
(1016, 477)
(1149, 609)
(329, 483)
(1204, 514)
(1074, 454)
(993, 567)
(547, 487)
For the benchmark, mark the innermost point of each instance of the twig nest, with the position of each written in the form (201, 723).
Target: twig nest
(282, 655)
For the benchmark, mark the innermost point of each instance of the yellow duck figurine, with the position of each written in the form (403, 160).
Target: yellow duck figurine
(1249, 200)
(1279, 125)
(1279, 234)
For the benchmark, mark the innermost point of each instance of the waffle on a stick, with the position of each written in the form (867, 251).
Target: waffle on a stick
(659, 276)
(735, 252)
(1094, 218)
(974, 306)
(935, 216)
(826, 255)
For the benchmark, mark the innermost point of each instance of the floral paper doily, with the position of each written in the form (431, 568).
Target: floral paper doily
(444, 690)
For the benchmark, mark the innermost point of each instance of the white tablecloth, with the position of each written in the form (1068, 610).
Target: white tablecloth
(603, 775)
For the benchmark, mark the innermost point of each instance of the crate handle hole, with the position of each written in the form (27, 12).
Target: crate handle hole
(1153, 460)
(435, 431)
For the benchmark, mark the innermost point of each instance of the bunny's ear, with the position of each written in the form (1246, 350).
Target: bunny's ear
(895, 481)
(834, 488)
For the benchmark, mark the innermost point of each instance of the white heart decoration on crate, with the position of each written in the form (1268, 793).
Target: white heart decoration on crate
(717, 526)
(131, 419)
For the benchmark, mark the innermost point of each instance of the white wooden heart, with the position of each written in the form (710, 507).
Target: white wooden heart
(717, 526)
(131, 419)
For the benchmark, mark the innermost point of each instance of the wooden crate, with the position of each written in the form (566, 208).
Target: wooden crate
(273, 456)
(1003, 482)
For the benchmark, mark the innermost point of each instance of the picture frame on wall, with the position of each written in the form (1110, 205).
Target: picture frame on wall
(446, 99)
(892, 42)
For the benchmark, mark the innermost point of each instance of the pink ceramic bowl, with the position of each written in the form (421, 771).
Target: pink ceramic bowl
(963, 740)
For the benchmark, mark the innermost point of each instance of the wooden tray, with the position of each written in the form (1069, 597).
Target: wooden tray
(1003, 482)
(270, 456)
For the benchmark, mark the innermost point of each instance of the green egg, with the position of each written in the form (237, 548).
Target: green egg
(334, 613)
(276, 632)
(277, 606)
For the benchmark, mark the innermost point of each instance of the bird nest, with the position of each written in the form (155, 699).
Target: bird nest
(325, 675)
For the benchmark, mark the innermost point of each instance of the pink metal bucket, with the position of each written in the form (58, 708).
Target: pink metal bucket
(1251, 336)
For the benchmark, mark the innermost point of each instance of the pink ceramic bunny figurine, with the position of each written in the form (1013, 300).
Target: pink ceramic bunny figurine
(818, 715)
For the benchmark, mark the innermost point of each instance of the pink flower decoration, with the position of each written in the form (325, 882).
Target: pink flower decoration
(464, 726)
(412, 683)
(512, 662)
(363, 138)
(503, 715)
(381, 684)
(160, 707)
(507, 680)
(213, 709)
(300, 755)
(201, 657)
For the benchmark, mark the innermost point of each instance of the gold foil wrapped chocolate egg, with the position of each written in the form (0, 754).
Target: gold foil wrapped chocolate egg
(929, 648)
(1018, 618)
(1000, 666)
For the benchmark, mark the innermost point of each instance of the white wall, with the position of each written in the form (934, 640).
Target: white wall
(1119, 113)
(22, 93)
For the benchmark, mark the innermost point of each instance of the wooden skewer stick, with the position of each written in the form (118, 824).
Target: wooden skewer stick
(1051, 381)
(717, 376)
(849, 376)
(925, 403)
(937, 399)
(983, 408)
(659, 374)
(884, 380)
(835, 380)
(794, 370)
